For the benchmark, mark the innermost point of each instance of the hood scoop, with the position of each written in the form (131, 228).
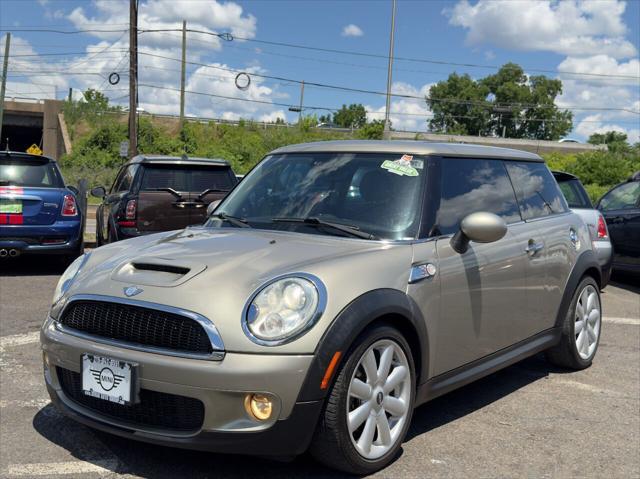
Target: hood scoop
(156, 271)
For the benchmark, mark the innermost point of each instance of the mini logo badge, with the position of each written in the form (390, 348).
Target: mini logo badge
(106, 378)
(132, 291)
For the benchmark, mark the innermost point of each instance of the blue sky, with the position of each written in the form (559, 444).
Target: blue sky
(571, 36)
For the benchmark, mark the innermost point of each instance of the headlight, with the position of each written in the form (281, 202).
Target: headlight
(68, 277)
(284, 309)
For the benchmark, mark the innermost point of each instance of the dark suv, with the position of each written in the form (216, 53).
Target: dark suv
(160, 193)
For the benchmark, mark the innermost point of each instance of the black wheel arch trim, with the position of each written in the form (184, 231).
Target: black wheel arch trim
(352, 321)
(586, 261)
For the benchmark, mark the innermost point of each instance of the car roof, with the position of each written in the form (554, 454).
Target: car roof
(410, 148)
(25, 156)
(564, 176)
(177, 160)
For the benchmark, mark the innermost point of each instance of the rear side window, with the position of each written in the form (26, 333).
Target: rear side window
(622, 197)
(125, 179)
(574, 193)
(536, 188)
(186, 178)
(468, 186)
(32, 172)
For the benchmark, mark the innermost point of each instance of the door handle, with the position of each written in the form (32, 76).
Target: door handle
(533, 247)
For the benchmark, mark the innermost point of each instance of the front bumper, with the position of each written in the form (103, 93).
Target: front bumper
(29, 238)
(220, 385)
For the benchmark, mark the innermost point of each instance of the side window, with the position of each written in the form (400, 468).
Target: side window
(621, 198)
(537, 191)
(574, 194)
(468, 186)
(125, 179)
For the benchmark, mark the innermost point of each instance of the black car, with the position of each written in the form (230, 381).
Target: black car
(160, 193)
(621, 209)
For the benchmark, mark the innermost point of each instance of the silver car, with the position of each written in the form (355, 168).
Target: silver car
(336, 288)
(580, 203)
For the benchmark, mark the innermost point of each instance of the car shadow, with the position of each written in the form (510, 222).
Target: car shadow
(158, 462)
(626, 281)
(479, 394)
(36, 265)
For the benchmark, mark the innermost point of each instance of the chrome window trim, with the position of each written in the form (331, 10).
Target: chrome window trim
(212, 333)
(322, 305)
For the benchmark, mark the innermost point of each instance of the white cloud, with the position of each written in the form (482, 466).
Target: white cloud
(598, 124)
(566, 27)
(352, 30)
(601, 65)
(91, 70)
(209, 16)
(406, 114)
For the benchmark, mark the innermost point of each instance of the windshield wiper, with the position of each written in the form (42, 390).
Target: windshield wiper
(314, 221)
(7, 182)
(168, 190)
(235, 221)
(211, 190)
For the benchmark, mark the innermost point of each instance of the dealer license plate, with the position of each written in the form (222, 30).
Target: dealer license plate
(10, 206)
(107, 378)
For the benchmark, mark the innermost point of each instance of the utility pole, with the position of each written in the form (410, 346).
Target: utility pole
(184, 70)
(301, 101)
(387, 127)
(133, 78)
(5, 65)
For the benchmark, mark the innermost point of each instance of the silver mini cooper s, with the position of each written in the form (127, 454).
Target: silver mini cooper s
(336, 288)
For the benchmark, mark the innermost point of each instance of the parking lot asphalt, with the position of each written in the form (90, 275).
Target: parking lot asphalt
(529, 420)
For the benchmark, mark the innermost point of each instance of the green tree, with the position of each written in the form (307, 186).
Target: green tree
(508, 101)
(615, 140)
(371, 131)
(459, 106)
(352, 116)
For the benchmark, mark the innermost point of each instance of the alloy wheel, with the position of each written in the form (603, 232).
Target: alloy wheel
(378, 399)
(587, 322)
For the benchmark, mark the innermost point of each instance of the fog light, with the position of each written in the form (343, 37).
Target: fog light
(258, 406)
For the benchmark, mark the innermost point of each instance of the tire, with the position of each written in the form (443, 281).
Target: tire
(333, 443)
(572, 352)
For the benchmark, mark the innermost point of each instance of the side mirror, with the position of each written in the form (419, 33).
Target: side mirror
(73, 189)
(212, 206)
(98, 192)
(481, 227)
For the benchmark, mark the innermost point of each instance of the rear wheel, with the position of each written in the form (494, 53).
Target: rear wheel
(369, 408)
(581, 328)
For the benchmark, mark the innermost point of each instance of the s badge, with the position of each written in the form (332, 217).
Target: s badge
(132, 291)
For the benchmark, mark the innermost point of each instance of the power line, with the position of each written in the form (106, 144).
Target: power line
(396, 95)
(229, 37)
(374, 55)
(427, 115)
(63, 32)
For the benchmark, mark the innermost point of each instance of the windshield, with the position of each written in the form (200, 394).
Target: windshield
(379, 194)
(187, 178)
(30, 172)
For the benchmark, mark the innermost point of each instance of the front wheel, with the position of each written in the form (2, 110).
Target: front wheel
(370, 405)
(581, 328)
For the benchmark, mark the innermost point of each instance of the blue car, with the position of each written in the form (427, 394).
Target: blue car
(38, 213)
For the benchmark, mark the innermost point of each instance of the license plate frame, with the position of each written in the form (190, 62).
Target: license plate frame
(10, 206)
(110, 379)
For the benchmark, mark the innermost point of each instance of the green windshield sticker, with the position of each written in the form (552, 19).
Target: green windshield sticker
(405, 166)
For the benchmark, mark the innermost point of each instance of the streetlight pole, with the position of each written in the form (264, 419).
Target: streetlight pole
(387, 126)
(5, 64)
(133, 78)
(183, 73)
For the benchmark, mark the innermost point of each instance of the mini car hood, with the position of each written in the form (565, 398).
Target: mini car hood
(214, 271)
